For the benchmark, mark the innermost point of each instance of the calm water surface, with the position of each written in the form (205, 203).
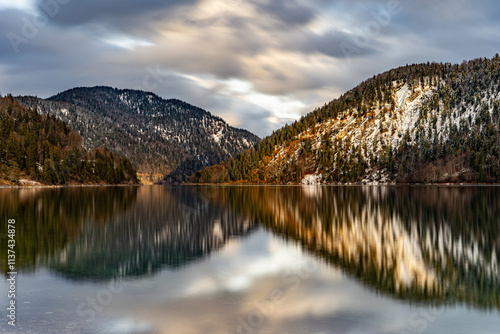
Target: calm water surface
(305, 260)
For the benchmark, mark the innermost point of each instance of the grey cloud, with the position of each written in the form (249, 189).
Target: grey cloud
(430, 18)
(259, 120)
(281, 82)
(337, 44)
(78, 13)
(10, 23)
(291, 13)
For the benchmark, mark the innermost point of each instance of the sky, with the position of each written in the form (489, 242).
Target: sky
(256, 63)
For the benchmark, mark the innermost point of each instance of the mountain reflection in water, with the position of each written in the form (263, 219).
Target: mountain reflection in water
(425, 244)
(435, 245)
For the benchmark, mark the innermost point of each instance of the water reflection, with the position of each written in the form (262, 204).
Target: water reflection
(435, 245)
(426, 244)
(48, 219)
(165, 227)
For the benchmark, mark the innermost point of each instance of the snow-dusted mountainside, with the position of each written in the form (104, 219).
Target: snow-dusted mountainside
(419, 123)
(158, 135)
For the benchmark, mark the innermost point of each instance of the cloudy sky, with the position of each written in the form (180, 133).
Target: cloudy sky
(257, 63)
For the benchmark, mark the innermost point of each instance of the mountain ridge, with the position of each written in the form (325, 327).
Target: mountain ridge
(421, 123)
(167, 136)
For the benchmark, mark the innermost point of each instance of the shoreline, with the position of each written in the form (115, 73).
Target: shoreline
(346, 184)
(41, 186)
(66, 186)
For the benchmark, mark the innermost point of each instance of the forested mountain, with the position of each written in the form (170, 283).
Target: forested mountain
(430, 122)
(157, 135)
(43, 148)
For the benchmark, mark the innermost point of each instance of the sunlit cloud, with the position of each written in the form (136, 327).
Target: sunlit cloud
(28, 5)
(126, 42)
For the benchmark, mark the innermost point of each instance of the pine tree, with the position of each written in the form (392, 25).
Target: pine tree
(14, 171)
(13, 151)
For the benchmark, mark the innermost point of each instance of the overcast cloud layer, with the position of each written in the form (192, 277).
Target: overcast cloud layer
(256, 63)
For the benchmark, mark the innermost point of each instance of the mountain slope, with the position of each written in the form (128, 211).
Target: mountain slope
(420, 123)
(43, 148)
(158, 135)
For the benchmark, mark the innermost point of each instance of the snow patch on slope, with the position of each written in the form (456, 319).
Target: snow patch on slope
(311, 179)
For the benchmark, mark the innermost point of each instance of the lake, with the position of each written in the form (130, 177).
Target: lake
(252, 259)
